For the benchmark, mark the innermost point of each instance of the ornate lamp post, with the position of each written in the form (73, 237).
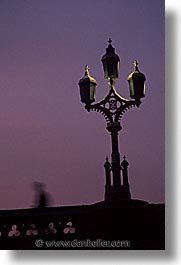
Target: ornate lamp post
(112, 107)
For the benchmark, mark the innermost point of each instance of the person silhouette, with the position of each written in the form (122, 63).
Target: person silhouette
(41, 196)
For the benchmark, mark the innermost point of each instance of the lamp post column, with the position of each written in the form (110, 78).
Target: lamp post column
(114, 128)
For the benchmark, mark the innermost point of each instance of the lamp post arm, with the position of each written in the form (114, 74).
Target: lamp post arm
(123, 108)
(101, 109)
(112, 106)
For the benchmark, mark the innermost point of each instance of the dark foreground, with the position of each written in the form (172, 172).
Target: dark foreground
(127, 225)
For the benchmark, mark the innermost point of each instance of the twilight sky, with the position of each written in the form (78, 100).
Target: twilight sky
(46, 134)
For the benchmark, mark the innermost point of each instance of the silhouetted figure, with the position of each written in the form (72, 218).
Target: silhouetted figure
(41, 196)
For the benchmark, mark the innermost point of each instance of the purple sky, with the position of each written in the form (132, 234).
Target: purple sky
(46, 134)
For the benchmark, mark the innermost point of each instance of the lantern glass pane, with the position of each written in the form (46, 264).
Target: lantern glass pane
(92, 92)
(131, 86)
(144, 89)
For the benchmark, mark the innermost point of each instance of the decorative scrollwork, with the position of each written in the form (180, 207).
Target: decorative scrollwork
(69, 229)
(32, 230)
(14, 231)
(109, 108)
(51, 229)
(113, 104)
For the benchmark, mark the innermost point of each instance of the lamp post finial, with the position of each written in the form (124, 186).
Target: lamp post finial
(86, 70)
(110, 41)
(135, 65)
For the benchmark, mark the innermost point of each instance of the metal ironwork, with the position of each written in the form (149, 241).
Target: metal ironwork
(112, 107)
(112, 111)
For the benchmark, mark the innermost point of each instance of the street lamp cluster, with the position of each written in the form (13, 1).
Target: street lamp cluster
(112, 107)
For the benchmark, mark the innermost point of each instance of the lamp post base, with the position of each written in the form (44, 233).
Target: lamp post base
(112, 194)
